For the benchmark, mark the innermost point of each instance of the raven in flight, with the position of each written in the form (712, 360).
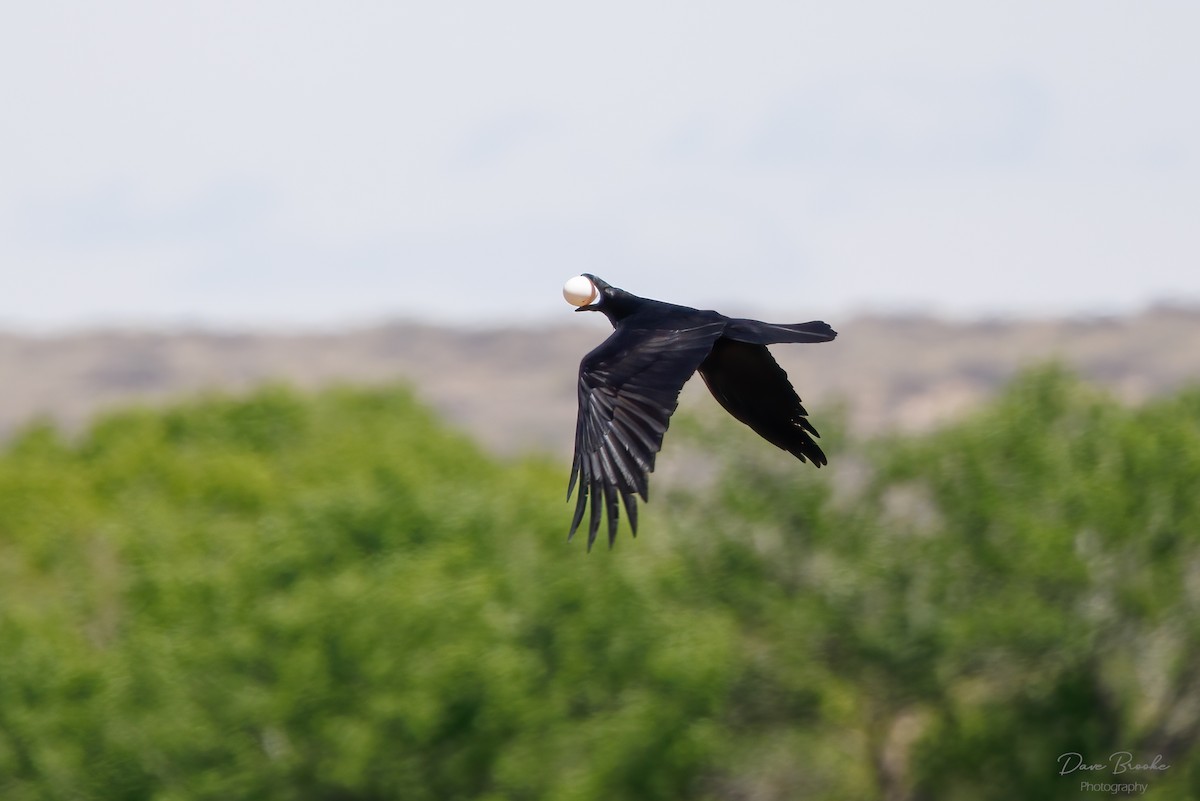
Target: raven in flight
(629, 386)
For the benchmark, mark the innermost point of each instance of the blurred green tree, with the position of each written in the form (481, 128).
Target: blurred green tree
(327, 597)
(333, 596)
(1017, 586)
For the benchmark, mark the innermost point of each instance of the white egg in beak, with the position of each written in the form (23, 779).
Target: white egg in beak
(579, 291)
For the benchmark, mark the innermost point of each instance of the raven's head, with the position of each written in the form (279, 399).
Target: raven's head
(588, 293)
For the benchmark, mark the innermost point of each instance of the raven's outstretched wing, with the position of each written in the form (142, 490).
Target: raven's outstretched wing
(752, 387)
(628, 388)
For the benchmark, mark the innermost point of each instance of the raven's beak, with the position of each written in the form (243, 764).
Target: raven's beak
(600, 285)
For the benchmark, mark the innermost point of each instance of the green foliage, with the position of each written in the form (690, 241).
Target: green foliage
(333, 596)
(327, 597)
(1018, 586)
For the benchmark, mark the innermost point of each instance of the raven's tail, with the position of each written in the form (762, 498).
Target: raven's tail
(758, 333)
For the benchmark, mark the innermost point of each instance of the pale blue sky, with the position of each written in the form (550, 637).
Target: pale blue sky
(280, 163)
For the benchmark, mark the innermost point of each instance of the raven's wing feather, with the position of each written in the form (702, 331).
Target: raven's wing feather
(752, 387)
(628, 388)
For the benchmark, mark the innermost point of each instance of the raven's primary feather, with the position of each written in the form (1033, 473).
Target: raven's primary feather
(629, 387)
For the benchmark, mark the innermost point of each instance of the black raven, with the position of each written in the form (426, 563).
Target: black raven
(629, 386)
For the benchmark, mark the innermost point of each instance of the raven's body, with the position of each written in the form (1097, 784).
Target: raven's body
(629, 386)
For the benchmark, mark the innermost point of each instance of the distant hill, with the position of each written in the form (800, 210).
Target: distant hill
(514, 389)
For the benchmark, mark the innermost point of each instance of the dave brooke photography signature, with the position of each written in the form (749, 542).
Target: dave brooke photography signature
(1117, 763)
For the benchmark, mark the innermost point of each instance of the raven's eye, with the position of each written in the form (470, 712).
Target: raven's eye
(579, 291)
